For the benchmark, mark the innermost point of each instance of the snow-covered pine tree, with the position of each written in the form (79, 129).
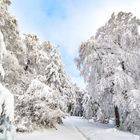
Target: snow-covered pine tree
(57, 78)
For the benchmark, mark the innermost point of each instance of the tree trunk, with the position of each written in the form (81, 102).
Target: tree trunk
(117, 116)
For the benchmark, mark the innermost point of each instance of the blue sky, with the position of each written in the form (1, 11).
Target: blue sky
(67, 23)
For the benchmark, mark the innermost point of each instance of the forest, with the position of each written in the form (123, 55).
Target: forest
(37, 93)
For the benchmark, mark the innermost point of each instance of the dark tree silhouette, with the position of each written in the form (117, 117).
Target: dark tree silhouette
(117, 116)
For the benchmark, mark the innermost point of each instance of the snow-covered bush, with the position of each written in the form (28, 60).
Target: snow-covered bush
(39, 108)
(109, 63)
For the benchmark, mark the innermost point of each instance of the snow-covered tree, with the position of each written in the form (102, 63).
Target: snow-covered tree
(109, 63)
(57, 78)
(87, 106)
(6, 98)
(78, 106)
(30, 68)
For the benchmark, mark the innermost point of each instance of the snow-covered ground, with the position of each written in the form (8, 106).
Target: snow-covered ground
(76, 128)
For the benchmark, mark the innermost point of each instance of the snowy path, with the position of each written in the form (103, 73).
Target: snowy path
(76, 128)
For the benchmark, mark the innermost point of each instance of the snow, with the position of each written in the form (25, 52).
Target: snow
(2, 52)
(7, 99)
(2, 73)
(77, 128)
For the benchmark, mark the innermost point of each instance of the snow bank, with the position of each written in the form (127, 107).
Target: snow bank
(75, 128)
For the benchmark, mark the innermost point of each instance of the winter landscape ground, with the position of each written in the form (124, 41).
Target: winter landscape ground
(77, 128)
